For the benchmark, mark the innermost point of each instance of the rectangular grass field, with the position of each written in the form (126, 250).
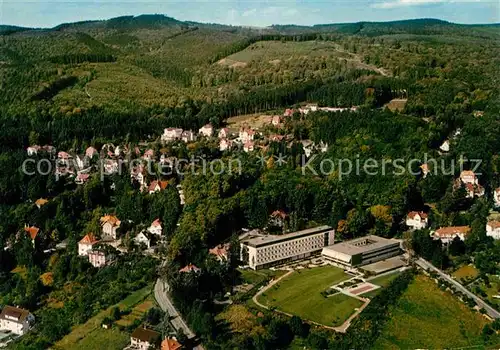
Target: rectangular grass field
(300, 294)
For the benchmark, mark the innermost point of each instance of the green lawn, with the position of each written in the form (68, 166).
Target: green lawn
(299, 294)
(255, 277)
(87, 335)
(427, 317)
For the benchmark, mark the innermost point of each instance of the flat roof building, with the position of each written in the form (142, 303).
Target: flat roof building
(262, 251)
(361, 251)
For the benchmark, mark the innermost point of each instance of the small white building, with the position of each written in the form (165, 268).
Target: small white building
(308, 147)
(276, 120)
(110, 225)
(90, 152)
(188, 136)
(448, 234)
(225, 144)
(156, 228)
(468, 177)
(98, 258)
(207, 130)
(493, 229)
(144, 339)
(246, 134)
(248, 146)
(33, 150)
(496, 197)
(171, 134)
(86, 244)
(445, 146)
(223, 133)
(143, 239)
(16, 320)
(417, 220)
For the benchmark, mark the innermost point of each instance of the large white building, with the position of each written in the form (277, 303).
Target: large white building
(262, 251)
(16, 320)
(361, 251)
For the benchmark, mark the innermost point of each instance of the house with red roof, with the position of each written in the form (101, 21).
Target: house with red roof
(86, 244)
(493, 229)
(157, 186)
(220, 252)
(190, 268)
(223, 133)
(110, 225)
(170, 344)
(90, 152)
(206, 130)
(448, 234)
(417, 220)
(278, 218)
(156, 227)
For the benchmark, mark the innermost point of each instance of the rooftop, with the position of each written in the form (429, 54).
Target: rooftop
(361, 245)
(270, 239)
(146, 335)
(14, 314)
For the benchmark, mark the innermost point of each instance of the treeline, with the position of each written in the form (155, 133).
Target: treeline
(82, 58)
(53, 89)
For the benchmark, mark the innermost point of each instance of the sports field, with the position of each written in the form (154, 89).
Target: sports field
(300, 294)
(426, 317)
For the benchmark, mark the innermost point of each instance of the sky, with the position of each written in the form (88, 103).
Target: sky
(49, 13)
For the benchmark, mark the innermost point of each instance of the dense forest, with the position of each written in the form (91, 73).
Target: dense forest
(123, 81)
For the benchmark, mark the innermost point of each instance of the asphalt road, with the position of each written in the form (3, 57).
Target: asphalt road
(428, 266)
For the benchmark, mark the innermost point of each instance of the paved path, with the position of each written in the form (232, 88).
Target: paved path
(166, 305)
(428, 266)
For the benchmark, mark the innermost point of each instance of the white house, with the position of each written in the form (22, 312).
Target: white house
(248, 146)
(171, 134)
(182, 197)
(448, 234)
(149, 155)
(425, 170)
(246, 134)
(323, 146)
(417, 220)
(445, 146)
(156, 228)
(493, 229)
(86, 244)
(223, 133)
(225, 144)
(98, 258)
(110, 225)
(110, 166)
(143, 238)
(32, 150)
(188, 136)
(207, 130)
(144, 339)
(308, 147)
(16, 320)
(496, 197)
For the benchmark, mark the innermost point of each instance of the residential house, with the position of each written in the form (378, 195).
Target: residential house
(278, 218)
(288, 112)
(82, 178)
(207, 130)
(144, 339)
(110, 166)
(308, 147)
(425, 170)
(16, 320)
(98, 258)
(138, 173)
(220, 252)
(156, 228)
(496, 197)
(468, 177)
(149, 155)
(471, 183)
(246, 134)
(474, 190)
(276, 138)
(417, 220)
(225, 144)
(49, 149)
(170, 344)
(276, 120)
(157, 186)
(322, 147)
(41, 202)
(171, 134)
(64, 156)
(223, 133)
(448, 234)
(144, 238)
(181, 194)
(33, 150)
(90, 152)
(32, 232)
(445, 146)
(110, 225)
(248, 146)
(493, 229)
(87, 244)
(188, 136)
(190, 268)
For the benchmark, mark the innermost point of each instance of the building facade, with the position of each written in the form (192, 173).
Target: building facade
(16, 320)
(264, 251)
(493, 229)
(361, 251)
